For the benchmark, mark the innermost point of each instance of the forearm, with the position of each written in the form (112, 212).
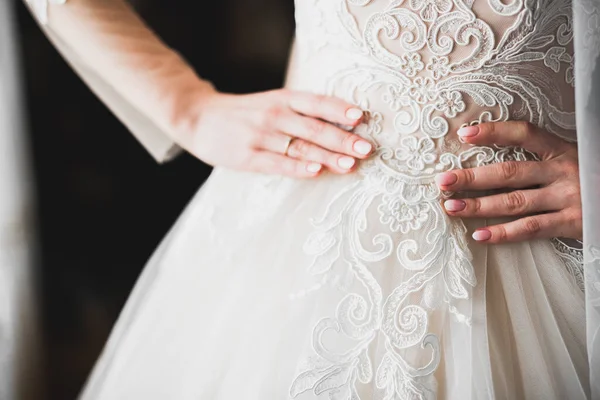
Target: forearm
(112, 40)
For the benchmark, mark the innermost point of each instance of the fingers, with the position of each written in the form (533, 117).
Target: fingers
(312, 117)
(557, 173)
(324, 134)
(301, 149)
(510, 174)
(271, 163)
(324, 107)
(519, 202)
(515, 133)
(559, 224)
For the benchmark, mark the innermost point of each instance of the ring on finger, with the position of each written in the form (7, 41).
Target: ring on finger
(288, 142)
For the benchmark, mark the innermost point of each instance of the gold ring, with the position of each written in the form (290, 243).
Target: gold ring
(287, 145)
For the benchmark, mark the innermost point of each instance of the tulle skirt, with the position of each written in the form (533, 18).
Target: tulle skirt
(275, 288)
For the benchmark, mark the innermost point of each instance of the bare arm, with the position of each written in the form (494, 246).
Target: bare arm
(160, 98)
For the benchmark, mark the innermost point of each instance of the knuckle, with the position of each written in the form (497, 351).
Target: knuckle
(524, 130)
(509, 170)
(320, 100)
(347, 141)
(299, 148)
(572, 193)
(575, 215)
(476, 206)
(272, 114)
(515, 202)
(488, 128)
(253, 142)
(467, 175)
(258, 138)
(569, 168)
(253, 139)
(500, 234)
(532, 226)
(577, 225)
(555, 198)
(316, 127)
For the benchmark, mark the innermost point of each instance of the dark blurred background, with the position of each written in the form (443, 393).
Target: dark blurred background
(103, 203)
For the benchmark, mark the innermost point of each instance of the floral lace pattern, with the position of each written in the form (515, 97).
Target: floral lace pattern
(573, 259)
(418, 67)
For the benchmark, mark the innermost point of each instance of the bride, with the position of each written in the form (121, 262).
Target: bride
(384, 227)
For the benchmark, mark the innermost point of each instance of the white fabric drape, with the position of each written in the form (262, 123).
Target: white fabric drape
(587, 51)
(19, 353)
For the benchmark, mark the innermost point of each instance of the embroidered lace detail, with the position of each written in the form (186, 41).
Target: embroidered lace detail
(40, 8)
(573, 259)
(420, 69)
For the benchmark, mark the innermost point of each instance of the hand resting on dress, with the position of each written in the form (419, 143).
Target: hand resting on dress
(114, 48)
(546, 193)
(251, 132)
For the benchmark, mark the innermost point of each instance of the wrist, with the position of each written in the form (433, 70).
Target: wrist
(188, 99)
(189, 108)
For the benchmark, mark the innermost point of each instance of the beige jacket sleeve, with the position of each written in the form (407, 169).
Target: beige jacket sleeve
(147, 85)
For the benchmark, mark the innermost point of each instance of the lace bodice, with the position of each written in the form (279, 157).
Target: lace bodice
(421, 69)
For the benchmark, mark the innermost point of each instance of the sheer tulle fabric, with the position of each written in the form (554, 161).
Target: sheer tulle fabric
(205, 322)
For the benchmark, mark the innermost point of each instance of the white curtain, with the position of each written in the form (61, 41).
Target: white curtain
(587, 53)
(19, 353)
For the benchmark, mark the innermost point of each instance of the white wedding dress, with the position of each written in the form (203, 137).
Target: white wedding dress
(360, 287)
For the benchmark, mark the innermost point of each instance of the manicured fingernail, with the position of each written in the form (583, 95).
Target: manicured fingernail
(346, 162)
(314, 167)
(354, 113)
(454, 205)
(482, 235)
(362, 147)
(468, 131)
(446, 179)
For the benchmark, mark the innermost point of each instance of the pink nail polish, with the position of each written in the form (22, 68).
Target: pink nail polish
(362, 147)
(346, 162)
(468, 131)
(482, 235)
(446, 179)
(354, 113)
(314, 168)
(454, 205)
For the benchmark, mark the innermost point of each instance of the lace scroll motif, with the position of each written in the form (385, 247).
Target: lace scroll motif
(40, 8)
(407, 75)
